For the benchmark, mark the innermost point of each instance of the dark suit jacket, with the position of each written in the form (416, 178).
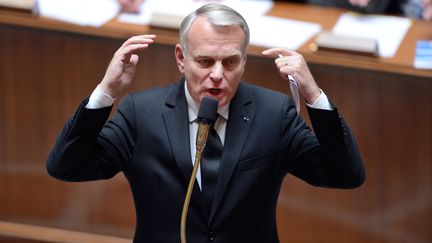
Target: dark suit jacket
(148, 140)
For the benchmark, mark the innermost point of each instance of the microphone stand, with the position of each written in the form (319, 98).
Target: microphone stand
(202, 134)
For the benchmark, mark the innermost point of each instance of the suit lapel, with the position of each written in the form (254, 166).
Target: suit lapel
(241, 116)
(177, 127)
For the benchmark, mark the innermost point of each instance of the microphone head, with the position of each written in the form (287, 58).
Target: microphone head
(208, 110)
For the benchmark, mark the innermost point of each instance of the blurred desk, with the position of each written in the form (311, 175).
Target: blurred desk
(13, 232)
(47, 67)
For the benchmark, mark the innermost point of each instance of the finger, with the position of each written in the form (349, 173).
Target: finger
(281, 62)
(286, 61)
(135, 44)
(140, 39)
(275, 52)
(285, 71)
(145, 39)
(129, 50)
(134, 59)
(135, 47)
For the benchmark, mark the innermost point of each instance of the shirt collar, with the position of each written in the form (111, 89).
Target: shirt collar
(193, 107)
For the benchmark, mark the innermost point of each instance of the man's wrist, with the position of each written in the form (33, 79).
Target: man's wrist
(321, 102)
(99, 99)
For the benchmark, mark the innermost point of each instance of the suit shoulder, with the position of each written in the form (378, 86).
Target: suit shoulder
(149, 100)
(151, 96)
(159, 92)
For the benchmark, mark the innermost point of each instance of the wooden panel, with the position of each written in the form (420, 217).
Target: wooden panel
(17, 240)
(14, 232)
(45, 75)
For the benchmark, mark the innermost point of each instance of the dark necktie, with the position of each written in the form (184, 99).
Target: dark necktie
(210, 163)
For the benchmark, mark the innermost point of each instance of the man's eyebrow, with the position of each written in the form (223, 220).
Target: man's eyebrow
(237, 55)
(234, 55)
(201, 56)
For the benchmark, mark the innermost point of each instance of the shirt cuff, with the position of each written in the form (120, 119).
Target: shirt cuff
(321, 102)
(99, 99)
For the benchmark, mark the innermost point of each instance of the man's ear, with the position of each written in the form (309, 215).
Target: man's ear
(179, 58)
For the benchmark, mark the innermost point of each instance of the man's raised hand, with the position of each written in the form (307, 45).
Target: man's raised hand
(121, 69)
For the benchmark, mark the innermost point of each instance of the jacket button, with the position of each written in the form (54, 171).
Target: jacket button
(211, 236)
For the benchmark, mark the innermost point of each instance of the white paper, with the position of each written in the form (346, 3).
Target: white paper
(250, 8)
(269, 31)
(149, 7)
(184, 7)
(22, 4)
(294, 90)
(389, 31)
(81, 12)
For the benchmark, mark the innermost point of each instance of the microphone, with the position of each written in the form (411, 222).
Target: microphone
(207, 115)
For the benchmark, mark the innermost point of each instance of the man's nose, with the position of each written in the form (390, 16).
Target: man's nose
(217, 72)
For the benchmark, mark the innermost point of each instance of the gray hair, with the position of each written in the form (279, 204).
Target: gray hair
(218, 15)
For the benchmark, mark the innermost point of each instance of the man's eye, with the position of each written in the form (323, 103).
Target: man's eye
(204, 62)
(231, 62)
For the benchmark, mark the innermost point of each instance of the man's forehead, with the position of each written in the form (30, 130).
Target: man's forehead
(202, 27)
(216, 53)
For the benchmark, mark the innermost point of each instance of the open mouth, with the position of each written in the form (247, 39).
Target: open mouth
(214, 91)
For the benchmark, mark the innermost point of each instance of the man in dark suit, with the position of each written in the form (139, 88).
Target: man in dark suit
(151, 139)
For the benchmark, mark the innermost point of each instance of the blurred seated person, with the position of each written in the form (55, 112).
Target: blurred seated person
(419, 9)
(130, 6)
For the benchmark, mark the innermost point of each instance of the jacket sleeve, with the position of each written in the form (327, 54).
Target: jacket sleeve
(329, 157)
(89, 147)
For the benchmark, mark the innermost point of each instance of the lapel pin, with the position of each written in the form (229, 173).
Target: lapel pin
(246, 119)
